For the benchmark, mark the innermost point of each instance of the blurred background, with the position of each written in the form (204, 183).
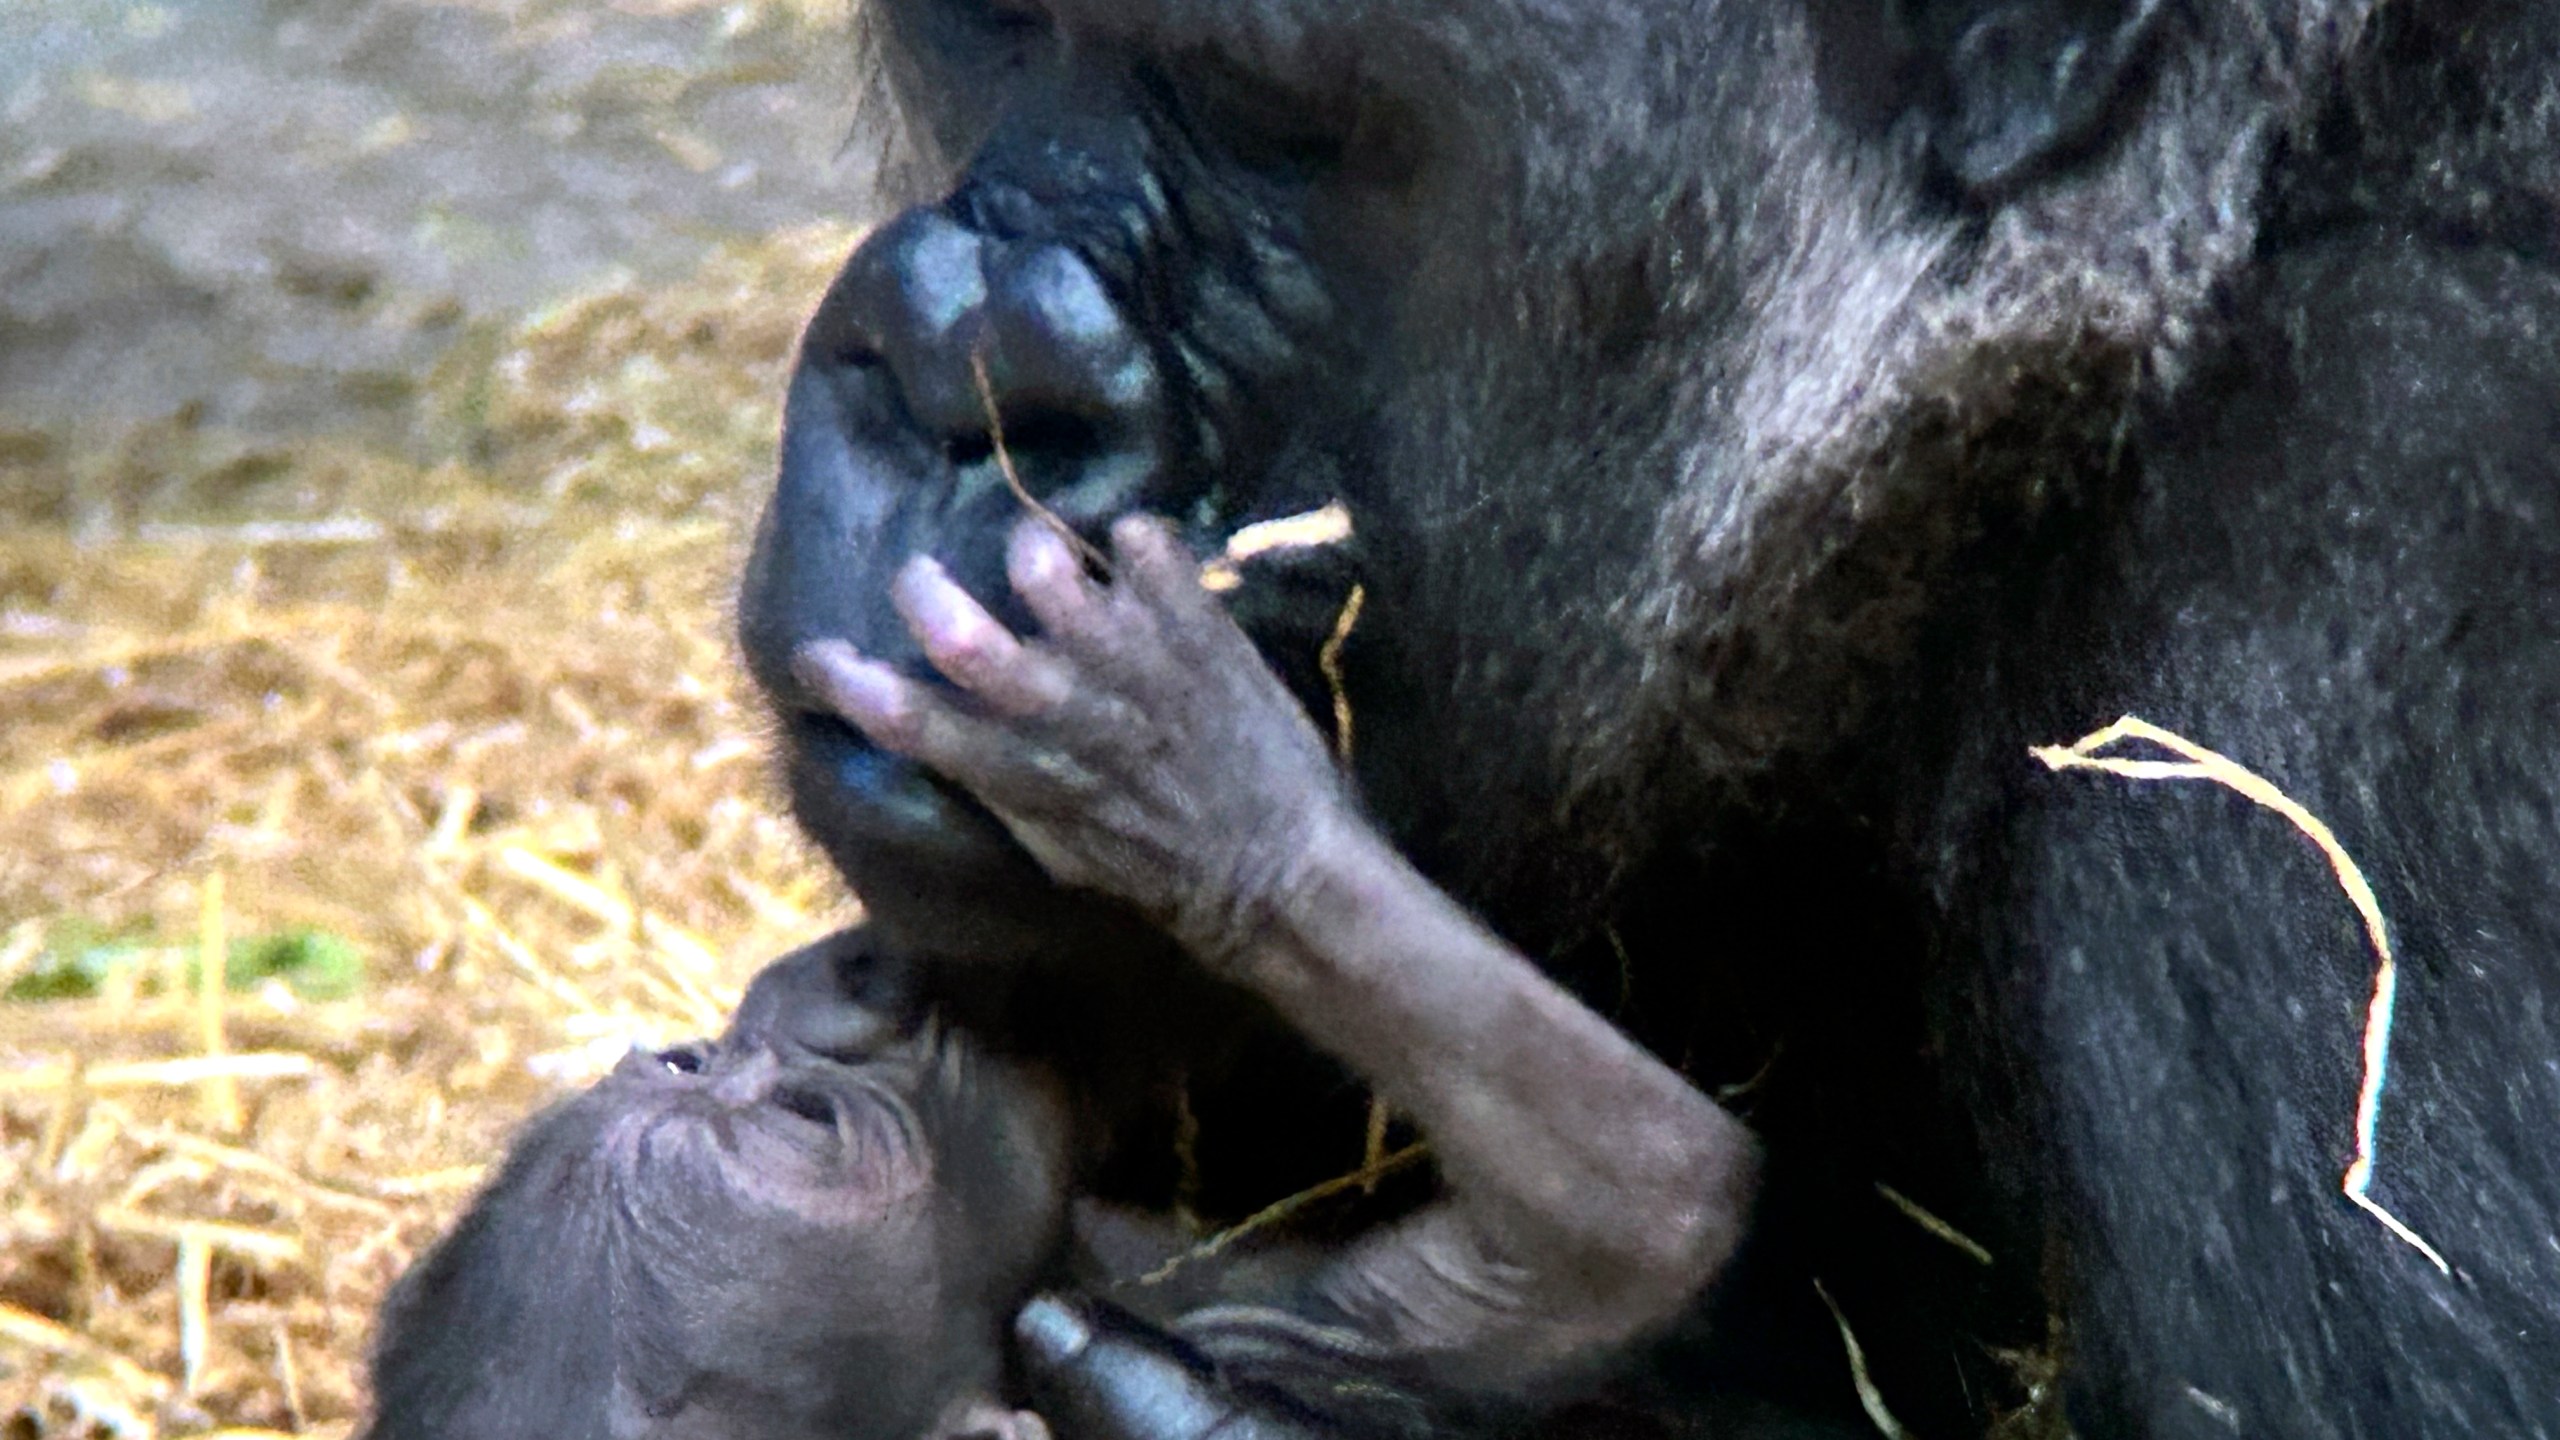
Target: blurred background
(386, 388)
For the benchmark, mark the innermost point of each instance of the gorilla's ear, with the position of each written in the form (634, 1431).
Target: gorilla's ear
(2007, 88)
(2027, 82)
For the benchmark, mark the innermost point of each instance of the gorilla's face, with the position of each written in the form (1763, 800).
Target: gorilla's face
(817, 1226)
(823, 1247)
(1223, 262)
(841, 1202)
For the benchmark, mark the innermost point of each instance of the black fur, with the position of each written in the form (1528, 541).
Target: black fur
(1762, 423)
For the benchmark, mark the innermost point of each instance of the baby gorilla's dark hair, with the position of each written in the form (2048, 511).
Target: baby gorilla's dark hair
(751, 1237)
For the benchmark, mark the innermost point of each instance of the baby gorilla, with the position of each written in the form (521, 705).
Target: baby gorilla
(816, 1226)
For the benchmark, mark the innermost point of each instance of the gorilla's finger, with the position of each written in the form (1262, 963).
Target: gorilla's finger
(1145, 554)
(872, 696)
(972, 647)
(1098, 1374)
(908, 718)
(1052, 582)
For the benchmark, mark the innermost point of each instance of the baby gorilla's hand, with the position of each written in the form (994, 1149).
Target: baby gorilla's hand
(1139, 746)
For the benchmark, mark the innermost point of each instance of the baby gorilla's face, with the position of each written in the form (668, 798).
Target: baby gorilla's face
(816, 1226)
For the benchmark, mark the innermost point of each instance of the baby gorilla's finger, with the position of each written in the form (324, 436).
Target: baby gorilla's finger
(899, 714)
(915, 719)
(873, 697)
(971, 646)
(1146, 555)
(1051, 580)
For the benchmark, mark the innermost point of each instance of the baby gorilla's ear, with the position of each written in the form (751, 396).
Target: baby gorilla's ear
(980, 1417)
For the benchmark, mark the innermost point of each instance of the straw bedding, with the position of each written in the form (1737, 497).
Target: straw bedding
(450, 766)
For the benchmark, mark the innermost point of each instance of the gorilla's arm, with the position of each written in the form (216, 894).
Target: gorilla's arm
(1141, 747)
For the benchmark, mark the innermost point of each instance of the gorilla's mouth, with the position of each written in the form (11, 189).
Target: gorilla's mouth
(891, 791)
(934, 868)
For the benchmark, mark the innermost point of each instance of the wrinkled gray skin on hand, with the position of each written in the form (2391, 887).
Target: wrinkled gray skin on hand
(1138, 747)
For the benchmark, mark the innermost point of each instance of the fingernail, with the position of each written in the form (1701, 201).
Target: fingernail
(920, 569)
(1044, 555)
(1051, 1330)
(937, 604)
(862, 689)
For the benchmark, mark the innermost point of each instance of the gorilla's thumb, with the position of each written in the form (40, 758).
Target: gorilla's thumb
(1099, 1373)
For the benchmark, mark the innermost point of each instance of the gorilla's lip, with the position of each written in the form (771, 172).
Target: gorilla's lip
(892, 787)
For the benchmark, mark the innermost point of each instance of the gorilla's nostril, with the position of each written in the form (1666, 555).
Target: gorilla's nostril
(974, 448)
(1058, 339)
(910, 299)
(921, 271)
(1041, 433)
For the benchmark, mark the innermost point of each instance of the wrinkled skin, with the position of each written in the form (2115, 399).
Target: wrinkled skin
(1142, 749)
(1761, 424)
(817, 1226)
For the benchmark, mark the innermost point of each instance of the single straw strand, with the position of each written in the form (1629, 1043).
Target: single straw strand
(2204, 764)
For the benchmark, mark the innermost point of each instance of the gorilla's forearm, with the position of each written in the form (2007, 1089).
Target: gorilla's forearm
(1141, 747)
(1594, 1192)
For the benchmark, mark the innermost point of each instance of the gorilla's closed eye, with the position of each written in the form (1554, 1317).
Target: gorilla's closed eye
(1268, 130)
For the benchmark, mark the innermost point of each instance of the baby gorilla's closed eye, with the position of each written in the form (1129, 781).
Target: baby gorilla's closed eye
(807, 1104)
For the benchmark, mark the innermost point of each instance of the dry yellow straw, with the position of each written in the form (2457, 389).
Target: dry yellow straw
(1919, 1215)
(195, 1315)
(1328, 524)
(1283, 1209)
(1013, 478)
(1870, 1399)
(1329, 661)
(220, 1098)
(161, 1074)
(2203, 764)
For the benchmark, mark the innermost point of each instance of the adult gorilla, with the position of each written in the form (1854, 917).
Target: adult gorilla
(1761, 424)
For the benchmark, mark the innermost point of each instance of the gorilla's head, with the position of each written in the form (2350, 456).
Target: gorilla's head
(816, 1226)
(1621, 328)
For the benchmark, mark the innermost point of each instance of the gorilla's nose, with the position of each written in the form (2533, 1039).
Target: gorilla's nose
(988, 338)
(745, 1084)
(914, 299)
(951, 363)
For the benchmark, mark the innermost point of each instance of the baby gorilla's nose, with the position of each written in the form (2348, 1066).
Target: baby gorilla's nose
(746, 1082)
(837, 1000)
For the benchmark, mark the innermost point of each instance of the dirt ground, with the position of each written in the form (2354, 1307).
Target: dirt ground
(376, 763)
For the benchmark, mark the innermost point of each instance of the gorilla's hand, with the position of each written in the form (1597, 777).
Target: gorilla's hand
(1139, 747)
(1099, 1373)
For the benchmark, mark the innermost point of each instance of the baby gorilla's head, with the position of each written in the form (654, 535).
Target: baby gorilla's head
(816, 1226)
